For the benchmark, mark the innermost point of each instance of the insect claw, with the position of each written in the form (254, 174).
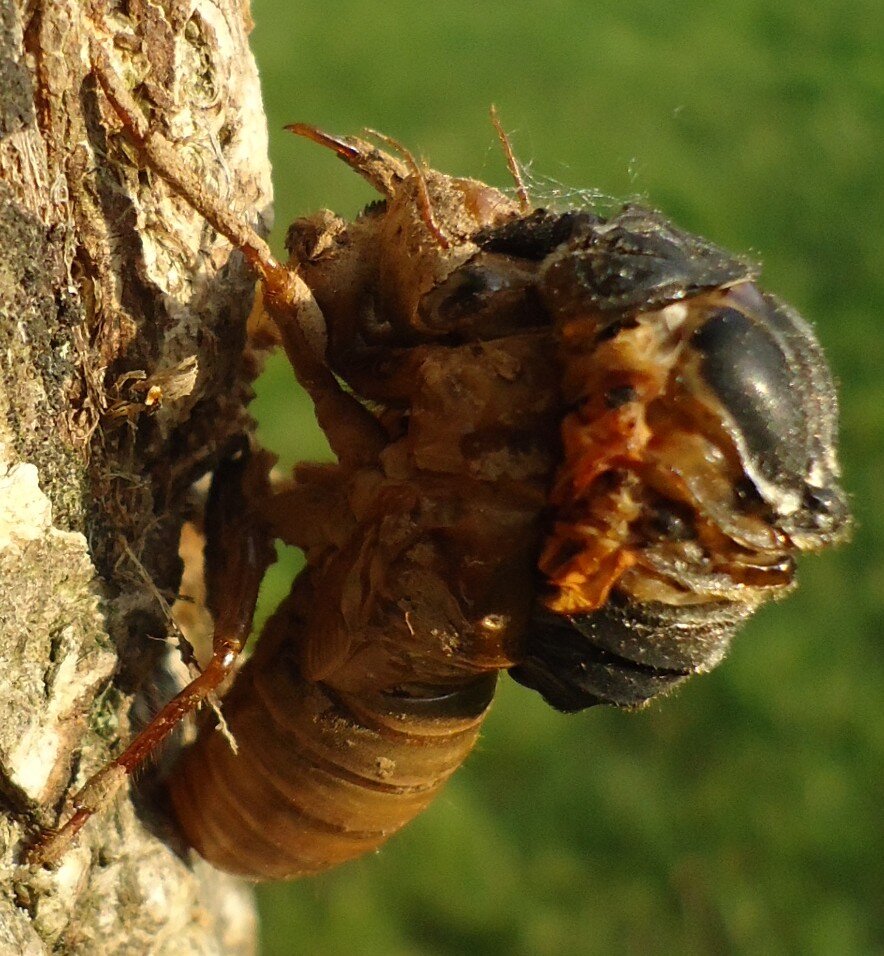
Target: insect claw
(343, 146)
(381, 170)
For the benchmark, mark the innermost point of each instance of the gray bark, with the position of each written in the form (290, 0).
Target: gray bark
(121, 370)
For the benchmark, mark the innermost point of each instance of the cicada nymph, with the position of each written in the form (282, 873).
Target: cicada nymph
(602, 447)
(580, 449)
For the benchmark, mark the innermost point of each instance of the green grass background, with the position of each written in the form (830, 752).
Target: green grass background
(743, 815)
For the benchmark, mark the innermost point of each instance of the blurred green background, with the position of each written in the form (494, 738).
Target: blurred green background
(744, 814)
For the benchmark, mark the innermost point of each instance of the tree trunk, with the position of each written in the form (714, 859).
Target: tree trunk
(121, 349)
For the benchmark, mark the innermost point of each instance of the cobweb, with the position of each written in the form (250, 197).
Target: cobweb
(547, 192)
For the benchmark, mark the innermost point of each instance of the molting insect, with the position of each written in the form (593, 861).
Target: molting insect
(579, 449)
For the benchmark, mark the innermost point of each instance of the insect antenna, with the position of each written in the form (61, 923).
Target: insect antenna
(511, 162)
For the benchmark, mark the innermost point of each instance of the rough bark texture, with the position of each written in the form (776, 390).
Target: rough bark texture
(121, 333)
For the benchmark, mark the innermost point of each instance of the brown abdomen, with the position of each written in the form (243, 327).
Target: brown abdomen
(319, 778)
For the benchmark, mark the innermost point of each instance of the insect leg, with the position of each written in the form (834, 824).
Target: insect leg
(238, 552)
(379, 168)
(423, 191)
(511, 162)
(160, 155)
(375, 166)
(353, 432)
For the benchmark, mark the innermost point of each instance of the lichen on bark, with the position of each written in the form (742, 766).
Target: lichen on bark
(121, 375)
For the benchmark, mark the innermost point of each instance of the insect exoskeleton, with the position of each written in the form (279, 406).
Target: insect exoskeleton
(602, 447)
(369, 683)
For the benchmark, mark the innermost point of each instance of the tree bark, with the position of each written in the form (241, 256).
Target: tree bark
(121, 357)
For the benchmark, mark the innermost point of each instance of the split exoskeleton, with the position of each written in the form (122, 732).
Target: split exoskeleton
(580, 449)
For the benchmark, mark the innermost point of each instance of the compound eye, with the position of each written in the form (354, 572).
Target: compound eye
(747, 370)
(466, 290)
(488, 295)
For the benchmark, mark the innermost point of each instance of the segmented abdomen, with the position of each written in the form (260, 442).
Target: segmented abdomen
(319, 778)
